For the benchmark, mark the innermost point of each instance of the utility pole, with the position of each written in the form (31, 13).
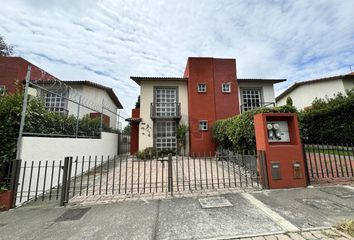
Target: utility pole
(23, 114)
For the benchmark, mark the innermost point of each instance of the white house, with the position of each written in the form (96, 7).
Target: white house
(64, 97)
(304, 93)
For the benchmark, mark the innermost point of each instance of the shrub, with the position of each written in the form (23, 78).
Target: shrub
(329, 120)
(37, 120)
(237, 133)
(151, 153)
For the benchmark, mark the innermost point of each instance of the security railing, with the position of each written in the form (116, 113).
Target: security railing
(165, 110)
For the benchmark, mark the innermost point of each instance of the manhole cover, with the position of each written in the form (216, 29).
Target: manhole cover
(72, 214)
(324, 204)
(214, 202)
(341, 192)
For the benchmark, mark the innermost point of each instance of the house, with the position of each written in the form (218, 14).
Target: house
(208, 91)
(60, 96)
(64, 98)
(304, 93)
(13, 71)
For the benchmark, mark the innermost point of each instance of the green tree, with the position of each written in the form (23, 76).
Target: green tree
(5, 49)
(127, 130)
(289, 101)
(137, 104)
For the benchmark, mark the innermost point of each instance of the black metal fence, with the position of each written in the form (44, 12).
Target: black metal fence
(329, 162)
(124, 174)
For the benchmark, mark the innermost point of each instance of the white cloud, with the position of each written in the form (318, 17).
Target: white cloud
(296, 40)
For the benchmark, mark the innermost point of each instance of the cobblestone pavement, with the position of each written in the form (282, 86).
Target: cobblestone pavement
(304, 235)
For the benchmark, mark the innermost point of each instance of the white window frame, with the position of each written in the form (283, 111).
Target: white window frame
(251, 103)
(203, 125)
(202, 87)
(226, 90)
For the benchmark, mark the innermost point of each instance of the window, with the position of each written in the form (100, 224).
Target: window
(166, 102)
(2, 90)
(226, 87)
(166, 135)
(55, 102)
(203, 125)
(202, 87)
(251, 98)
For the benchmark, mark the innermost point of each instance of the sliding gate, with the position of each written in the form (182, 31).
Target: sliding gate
(127, 175)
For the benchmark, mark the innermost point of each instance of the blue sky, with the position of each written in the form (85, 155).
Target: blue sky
(108, 41)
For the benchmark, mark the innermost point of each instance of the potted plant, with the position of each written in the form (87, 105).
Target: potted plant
(5, 198)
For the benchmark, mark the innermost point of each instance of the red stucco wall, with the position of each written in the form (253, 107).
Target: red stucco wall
(213, 104)
(134, 134)
(15, 68)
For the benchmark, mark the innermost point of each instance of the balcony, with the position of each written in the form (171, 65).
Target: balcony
(248, 106)
(165, 110)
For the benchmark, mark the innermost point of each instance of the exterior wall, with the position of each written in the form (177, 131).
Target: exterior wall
(15, 68)
(147, 97)
(213, 104)
(304, 95)
(225, 103)
(267, 90)
(42, 149)
(134, 134)
(348, 84)
(201, 105)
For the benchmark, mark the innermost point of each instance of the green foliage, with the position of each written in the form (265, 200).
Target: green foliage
(137, 104)
(329, 120)
(150, 153)
(38, 120)
(237, 133)
(289, 101)
(127, 130)
(5, 49)
(181, 132)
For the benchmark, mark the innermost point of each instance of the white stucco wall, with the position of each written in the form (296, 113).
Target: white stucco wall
(348, 84)
(36, 149)
(147, 97)
(95, 96)
(266, 87)
(304, 95)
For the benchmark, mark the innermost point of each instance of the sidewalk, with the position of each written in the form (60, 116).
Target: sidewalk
(305, 213)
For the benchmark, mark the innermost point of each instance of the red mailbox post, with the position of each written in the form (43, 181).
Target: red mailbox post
(278, 139)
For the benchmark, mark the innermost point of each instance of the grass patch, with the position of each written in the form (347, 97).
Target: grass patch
(347, 227)
(341, 152)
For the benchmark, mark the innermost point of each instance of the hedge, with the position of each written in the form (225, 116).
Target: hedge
(237, 133)
(329, 120)
(38, 120)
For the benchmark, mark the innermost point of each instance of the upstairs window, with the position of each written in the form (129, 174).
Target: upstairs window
(202, 87)
(251, 98)
(226, 87)
(55, 102)
(203, 125)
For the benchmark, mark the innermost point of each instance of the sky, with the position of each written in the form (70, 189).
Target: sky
(110, 40)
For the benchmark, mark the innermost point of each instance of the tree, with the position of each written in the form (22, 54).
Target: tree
(289, 101)
(137, 104)
(127, 130)
(5, 49)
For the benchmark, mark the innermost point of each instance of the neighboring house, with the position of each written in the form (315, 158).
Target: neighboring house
(208, 91)
(304, 93)
(55, 93)
(13, 71)
(93, 95)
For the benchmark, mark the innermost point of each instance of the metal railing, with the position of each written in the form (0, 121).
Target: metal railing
(104, 175)
(329, 162)
(165, 110)
(246, 106)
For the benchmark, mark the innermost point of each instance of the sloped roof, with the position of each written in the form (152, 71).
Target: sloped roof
(260, 79)
(109, 91)
(139, 79)
(297, 84)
